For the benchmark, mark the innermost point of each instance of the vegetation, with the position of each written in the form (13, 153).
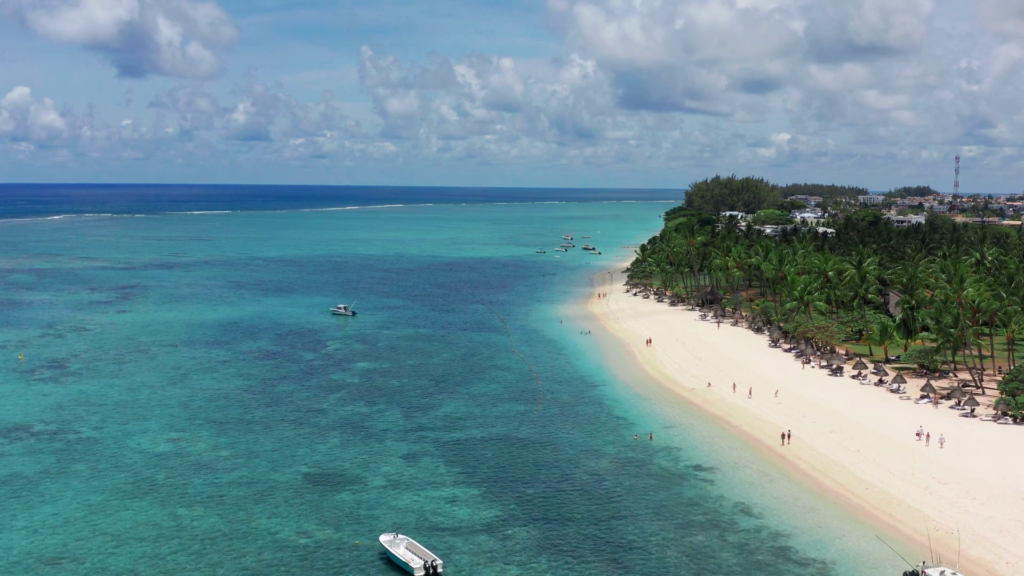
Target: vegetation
(911, 192)
(826, 191)
(943, 293)
(1012, 389)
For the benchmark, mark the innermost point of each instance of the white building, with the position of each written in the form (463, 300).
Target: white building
(871, 199)
(903, 221)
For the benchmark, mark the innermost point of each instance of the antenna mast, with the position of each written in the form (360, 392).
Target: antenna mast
(956, 174)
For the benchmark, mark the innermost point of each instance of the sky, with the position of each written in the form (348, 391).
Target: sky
(558, 93)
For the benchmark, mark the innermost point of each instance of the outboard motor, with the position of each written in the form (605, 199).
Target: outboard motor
(433, 567)
(426, 567)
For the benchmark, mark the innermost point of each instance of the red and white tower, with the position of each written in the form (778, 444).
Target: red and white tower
(956, 177)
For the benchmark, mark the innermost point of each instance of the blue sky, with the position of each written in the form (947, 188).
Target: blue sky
(627, 93)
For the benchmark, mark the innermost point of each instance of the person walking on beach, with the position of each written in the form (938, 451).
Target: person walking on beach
(927, 439)
(750, 393)
(942, 441)
(776, 393)
(920, 433)
(789, 436)
(709, 384)
(733, 387)
(783, 438)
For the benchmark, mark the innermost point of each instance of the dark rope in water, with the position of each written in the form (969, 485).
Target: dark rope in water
(512, 343)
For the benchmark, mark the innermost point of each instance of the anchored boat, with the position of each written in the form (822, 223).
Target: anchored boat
(343, 310)
(409, 554)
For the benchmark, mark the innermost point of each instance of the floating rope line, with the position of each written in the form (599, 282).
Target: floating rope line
(512, 343)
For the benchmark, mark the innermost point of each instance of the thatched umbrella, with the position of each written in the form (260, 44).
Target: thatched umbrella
(928, 388)
(860, 365)
(958, 393)
(1002, 405)
(775, 334)
(971, 402)
(899, 379)
(790, 340)
(849, 355)
(882, 372)
(839, 359)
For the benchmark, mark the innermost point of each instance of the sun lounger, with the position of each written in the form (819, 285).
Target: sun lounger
(988, 419)
(924, 401)
(1005, 420)
(905, 398)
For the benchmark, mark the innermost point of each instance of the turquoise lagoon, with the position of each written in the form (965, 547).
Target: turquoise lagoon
(186, 405)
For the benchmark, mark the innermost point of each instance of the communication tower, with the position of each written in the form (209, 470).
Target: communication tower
(956, 179)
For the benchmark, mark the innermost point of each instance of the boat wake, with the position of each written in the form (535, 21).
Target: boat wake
(512, 343)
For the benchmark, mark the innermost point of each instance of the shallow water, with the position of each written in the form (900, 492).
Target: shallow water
(186, 405)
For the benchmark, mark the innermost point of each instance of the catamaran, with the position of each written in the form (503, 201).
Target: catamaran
(409, 554)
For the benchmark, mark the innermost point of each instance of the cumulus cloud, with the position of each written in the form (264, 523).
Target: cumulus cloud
(177, 38)
(24, 118)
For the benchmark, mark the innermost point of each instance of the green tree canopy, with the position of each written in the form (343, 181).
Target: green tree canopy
(731, 194)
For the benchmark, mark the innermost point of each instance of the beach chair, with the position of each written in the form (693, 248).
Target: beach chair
(1005, 420)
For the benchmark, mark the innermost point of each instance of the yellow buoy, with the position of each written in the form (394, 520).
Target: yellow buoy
(20, 357)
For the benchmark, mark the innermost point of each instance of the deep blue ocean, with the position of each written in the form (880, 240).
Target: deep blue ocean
(186, 404)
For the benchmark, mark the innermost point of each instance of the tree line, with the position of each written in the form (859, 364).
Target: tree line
(943, 292)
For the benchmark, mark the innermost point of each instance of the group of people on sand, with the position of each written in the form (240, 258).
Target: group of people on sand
(649, 342)
(602, 295)
(927, 436)
(787, 437)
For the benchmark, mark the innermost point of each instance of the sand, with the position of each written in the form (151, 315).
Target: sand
(855, 443)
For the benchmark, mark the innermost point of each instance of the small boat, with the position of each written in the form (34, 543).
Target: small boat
(560, 250)
(925, 570)
(566, 237)
(588, 247)
(541, 251)
(568, 245)
(410, 555)
(343, 310)
(586, 236)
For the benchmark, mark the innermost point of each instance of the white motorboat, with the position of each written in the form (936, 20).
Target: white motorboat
(567, 245)
(566, 237)
(343, 310)
(541, 251)
(588, 247)
(560, 250)
(926, 570)
(409, 554)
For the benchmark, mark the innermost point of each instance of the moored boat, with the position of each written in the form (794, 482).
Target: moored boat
(541, 251)
(343, 310)
(561, 250)
(410, 555)
(566, 237)
(588, 247)
(567, 245)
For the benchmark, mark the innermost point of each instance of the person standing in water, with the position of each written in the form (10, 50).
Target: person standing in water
(652, 435)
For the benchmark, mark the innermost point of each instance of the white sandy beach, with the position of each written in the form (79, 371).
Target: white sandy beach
(856, 443)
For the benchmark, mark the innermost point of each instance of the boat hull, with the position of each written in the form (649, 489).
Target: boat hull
(417, 571)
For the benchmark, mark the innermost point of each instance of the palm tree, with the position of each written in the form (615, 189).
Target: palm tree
(884, 335)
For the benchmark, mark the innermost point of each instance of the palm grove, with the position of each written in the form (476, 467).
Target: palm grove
(948, 295)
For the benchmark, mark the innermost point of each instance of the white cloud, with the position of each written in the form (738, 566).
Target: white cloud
(177, 38)
(24, 118)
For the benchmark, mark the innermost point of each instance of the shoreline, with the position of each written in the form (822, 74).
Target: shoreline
(851, 445)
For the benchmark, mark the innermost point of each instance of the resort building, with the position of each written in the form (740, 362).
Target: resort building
(871, 199)
(903, 221)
